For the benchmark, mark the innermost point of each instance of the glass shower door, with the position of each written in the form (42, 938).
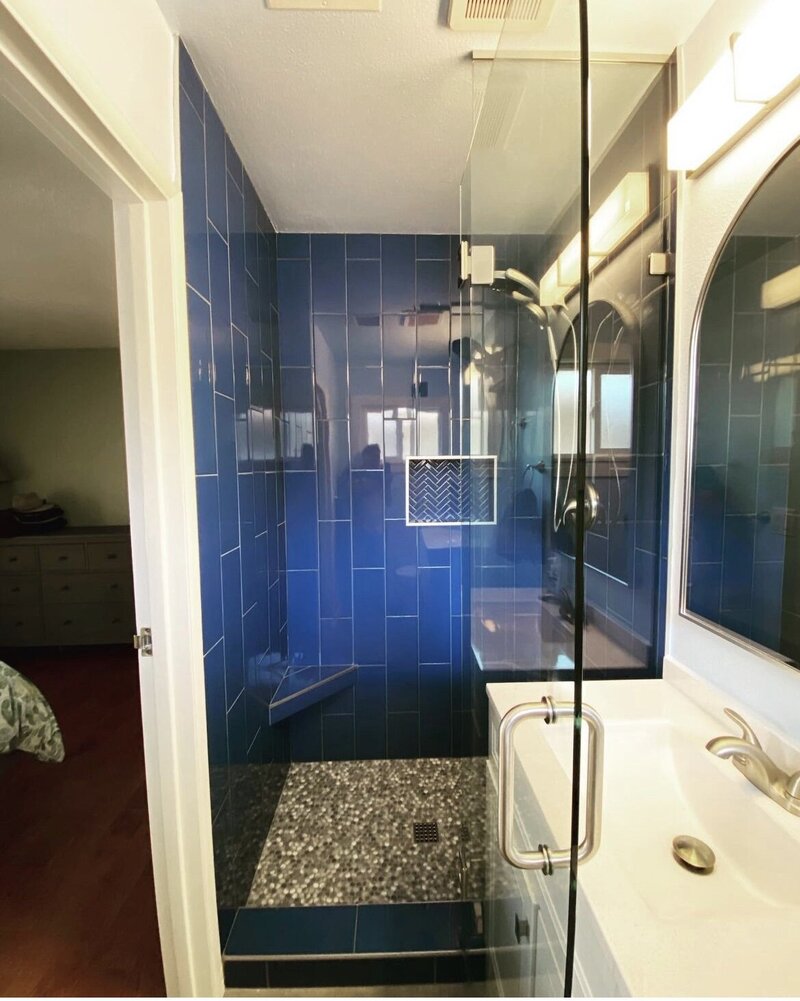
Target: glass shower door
(523, 405)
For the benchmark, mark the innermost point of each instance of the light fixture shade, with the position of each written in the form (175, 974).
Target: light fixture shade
(760, 65)
(766, 56)
(782, 290)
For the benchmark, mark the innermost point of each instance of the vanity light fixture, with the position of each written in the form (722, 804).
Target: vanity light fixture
(782, 290)
(759, 68)
(625, 208)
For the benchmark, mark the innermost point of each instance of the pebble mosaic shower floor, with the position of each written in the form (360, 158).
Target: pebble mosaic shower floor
(343, 833)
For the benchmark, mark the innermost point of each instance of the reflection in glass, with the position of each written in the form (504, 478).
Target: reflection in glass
(741, 573)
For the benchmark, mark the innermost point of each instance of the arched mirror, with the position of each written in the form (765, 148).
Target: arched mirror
(742, 571)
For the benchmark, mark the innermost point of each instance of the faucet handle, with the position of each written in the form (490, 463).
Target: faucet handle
(748, 733)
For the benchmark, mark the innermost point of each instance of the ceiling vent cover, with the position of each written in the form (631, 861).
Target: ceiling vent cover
(494, 15)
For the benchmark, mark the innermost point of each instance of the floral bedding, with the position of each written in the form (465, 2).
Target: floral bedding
(27, 723)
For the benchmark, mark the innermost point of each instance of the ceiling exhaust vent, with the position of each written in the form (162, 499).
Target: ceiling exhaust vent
(374, 5)
(494, 15)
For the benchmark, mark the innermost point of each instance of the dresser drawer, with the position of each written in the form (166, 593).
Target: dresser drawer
(19, 590)
(21, 626)
(88, 623)
(63, 556)
(18, 559)
(109, 555)
(86, 588)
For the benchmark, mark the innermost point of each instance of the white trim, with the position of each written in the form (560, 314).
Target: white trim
(154, 355)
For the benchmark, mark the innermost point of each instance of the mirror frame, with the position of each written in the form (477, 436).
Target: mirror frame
(688, 484)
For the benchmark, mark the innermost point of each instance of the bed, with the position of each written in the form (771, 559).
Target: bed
(27, 722)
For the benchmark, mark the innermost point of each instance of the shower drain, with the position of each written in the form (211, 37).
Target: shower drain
(426, 832)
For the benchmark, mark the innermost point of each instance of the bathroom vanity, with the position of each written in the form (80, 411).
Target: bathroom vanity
(646, 926)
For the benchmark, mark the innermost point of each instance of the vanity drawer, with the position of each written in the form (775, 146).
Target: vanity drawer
(21, 626)
(109, 555)
(19, 590)
(67, 556)
(18, 559)
(71, 588)
(88, 623)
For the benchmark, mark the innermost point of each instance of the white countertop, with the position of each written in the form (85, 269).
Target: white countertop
(669, 931)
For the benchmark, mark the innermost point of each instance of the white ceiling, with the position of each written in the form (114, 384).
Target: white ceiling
(354, 122)
(57, 279)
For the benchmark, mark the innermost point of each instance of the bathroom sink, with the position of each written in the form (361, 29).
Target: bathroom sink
(664, 929)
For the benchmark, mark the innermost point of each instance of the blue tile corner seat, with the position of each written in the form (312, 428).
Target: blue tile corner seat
(342, 944)
(301, 687)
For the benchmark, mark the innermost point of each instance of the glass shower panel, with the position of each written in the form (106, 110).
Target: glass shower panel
(520, 355)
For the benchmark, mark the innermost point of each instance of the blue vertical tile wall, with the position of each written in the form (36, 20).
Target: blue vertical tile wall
(365, 344)
(231, 271)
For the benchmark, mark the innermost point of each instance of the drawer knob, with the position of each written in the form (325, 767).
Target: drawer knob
(522, 928)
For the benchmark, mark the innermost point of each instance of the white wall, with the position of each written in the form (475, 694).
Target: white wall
(120, 55)
(707, 207)
(61, 431)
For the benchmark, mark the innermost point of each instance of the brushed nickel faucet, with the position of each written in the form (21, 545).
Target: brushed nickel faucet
(757, 766)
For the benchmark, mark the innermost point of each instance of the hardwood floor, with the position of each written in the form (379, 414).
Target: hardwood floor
(77, 905)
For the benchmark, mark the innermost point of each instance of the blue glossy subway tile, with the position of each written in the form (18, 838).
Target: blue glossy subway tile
(236, 253)
(338, 738)
(294, 311)
(335, 561)
(767, 609)
(745, 343)
(364, 341)
(232, 626)
(292, 931)
(363, 245)
(368, 521)
(398, 274)
(707, 514)
(369, 616)
(433, 247)
(221, 314)
(333, 469)
(216, 717)
(366, 418)
(205, 458)
(646, 577)
(305, 734)
(742, 473)
(228, 483)
(241, 398)
(404, 928)
(433, 286)
(253, 328)
(255, 638)
(336, 641)
(248, 546)
(435, 705)
(370, 712)
(250, 226)
(402, 664)
(711, 431)
(773, 497)
(434, 615)
(738, 557)
(363, 288)
(233, 162)
(193, 184)
(216, 183)
(248, 973)
(302, 589)
(434, 546)
(274, 603)
(301, 521)
(293, 246)
(433, 338)
(209, 540)
(297, 390)
(190, 79)
(328, 278)
(402, 735)
(330, 366)
(395, 474)
(399, 353)
(401, 569)
(237, 732)
(705, 589)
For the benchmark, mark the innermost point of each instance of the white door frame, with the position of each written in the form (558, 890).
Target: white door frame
(154, 353)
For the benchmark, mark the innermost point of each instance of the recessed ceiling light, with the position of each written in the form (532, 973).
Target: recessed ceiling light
(373, 5)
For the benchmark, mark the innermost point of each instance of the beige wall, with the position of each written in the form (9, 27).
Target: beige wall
(61, 431)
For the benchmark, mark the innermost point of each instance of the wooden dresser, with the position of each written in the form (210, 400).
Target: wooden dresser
(66, 588)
